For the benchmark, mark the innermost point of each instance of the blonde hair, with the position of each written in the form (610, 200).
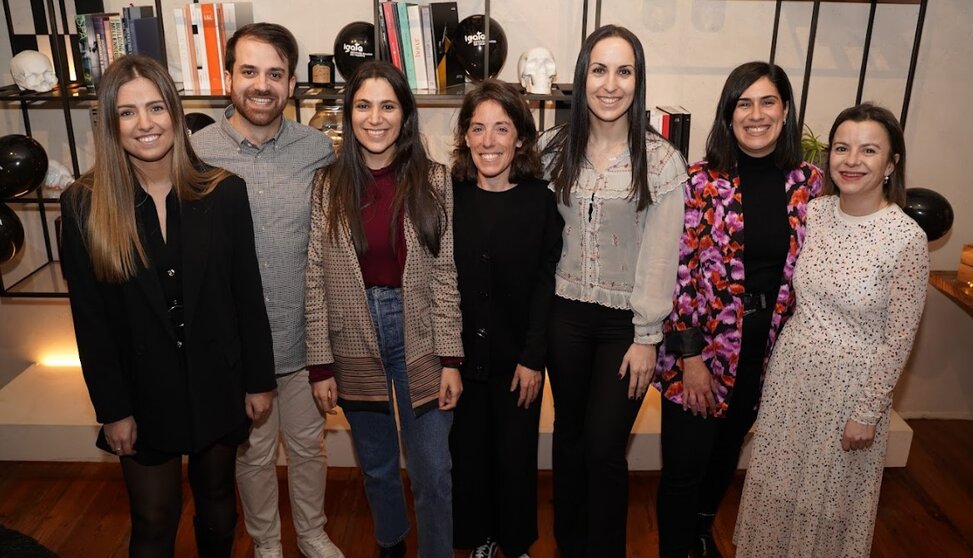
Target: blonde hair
(108, 189)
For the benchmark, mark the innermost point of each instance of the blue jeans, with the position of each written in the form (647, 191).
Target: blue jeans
(426, 440)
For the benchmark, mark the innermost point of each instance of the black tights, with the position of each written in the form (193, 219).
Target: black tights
(155, 496)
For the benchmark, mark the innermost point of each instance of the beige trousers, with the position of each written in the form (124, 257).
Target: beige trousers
(297, 418)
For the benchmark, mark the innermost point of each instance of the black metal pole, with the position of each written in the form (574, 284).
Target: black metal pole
(807, 64)
(376, 38)
(868, 44)
(162, 35)
(61, 63)
(597, 14)
(584, 21)
(773, 40)
(486, 33)
(913, 62)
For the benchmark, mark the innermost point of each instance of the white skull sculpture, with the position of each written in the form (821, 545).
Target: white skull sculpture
(32, 70)
(537, 70)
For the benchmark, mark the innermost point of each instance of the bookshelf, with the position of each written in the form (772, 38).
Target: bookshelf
(71, 94)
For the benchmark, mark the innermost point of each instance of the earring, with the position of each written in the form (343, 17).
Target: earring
(886, 181)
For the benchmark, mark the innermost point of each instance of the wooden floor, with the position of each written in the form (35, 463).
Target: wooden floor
(80, 509)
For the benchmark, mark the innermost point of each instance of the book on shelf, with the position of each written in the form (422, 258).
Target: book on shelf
(130, 14)
(395, 45)
(676, 117)
(211, 42)
(445, 18)
(675, 124)
(103, 45)
(417, 45)
(88, 47)
(383, 36)
(195, 17)
(408, 62)
(428, 45)
(687, 118)
(660, 121)
(186, 64)
(202, 31)
(146, 39)
(105, 37)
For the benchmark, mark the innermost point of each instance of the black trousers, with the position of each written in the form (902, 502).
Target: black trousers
(593, 419)
(700, 455)
(494, 449)
(155, 498)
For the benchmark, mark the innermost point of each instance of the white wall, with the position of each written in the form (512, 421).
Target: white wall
(691, 45)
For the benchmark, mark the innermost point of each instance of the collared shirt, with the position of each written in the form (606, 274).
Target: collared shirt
(278, 175)
(616, 256)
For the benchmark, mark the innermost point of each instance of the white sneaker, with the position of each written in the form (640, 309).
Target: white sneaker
(273, 550)
(485, 550)
(319, 547)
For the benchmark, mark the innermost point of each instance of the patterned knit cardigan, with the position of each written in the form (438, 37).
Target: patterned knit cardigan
(339, 326)
(708, 309)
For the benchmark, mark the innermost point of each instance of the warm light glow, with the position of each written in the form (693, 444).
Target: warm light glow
(60, 359)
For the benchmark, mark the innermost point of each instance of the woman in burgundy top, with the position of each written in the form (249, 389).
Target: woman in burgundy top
(382, 307)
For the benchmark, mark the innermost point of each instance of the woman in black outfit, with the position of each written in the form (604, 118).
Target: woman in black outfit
(507, 243)
(173, 336)
(744, 227)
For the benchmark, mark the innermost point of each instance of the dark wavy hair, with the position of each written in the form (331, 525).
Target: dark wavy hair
(349, 177)
(894, 190)
(721, 144)
(527, 161)
(273, 34)
(571, 141)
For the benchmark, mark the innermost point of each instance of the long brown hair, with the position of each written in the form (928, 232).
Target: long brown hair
(107, 191)
(349, 177)
(527, 161)
(570, 142)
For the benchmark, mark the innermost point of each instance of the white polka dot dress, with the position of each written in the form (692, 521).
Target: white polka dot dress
(860, 285)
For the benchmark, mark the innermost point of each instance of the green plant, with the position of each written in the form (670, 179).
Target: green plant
(814, 149)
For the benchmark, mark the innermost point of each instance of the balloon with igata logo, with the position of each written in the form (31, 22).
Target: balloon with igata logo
(353, 46)
(469, 42)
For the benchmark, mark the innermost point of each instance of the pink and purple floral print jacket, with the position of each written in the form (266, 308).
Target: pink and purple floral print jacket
(710, 281)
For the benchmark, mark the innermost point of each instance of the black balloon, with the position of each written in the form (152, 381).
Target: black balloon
(931, 210)
(196, 121)
(23, 164)
(469, 41)
(11, 234)
(353, 46)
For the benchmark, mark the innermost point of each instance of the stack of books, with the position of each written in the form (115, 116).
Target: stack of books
(202, 31)
(103, 37)
(673, 122)
(416, 39)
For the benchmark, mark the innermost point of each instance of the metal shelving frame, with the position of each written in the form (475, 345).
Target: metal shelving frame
(77, 93)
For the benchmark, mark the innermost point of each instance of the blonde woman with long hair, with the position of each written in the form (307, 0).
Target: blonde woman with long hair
(165, 292)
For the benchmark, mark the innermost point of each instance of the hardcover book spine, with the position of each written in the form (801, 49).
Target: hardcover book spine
(416, 43)
(406, 39)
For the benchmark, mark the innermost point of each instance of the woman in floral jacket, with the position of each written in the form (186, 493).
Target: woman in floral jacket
(730, 302)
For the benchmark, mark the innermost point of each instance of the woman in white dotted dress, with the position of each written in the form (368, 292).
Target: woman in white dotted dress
(813, 483)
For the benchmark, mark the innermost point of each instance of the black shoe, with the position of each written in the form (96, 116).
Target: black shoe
(395, 551)
(704, 546)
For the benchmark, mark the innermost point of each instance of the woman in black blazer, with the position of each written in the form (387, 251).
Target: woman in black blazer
(165, 292)
(507, 241)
